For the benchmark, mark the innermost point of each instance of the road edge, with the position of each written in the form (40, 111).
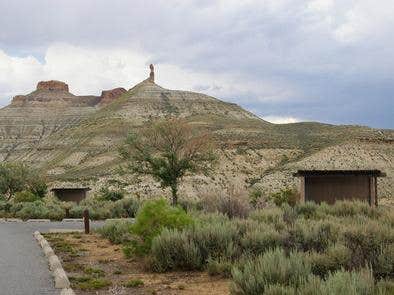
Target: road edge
(61, 280)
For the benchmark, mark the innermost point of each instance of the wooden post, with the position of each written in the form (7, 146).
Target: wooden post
(86, 221)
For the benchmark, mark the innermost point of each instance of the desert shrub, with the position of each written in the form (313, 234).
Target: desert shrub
(106, 194)
(32, 210)
(216, 240)
(384, 265)
(234, 203)
(152, 218)
(127, 207)
(308, 209)
(385, 287)
(25, 196)
(304, 236)
(342, 282)
(269, 215)
(56, 208)
(261, 239)
(98, 209)
(335, 258)
(256, 198)
(209, 218)
(319, 235)
(366, 241)
(279, 290)
(219, 267)
(117, 231)
(173, 249)
(350, 209)
(272, 268)
(47, 208)
(289, 214)
(288, 196)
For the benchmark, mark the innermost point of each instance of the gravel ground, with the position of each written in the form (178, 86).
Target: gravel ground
(23, 266)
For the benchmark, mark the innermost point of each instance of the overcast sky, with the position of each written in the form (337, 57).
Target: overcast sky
(285, 60)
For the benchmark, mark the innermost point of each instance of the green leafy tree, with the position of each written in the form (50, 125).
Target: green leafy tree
(168, 150)
(17, 177)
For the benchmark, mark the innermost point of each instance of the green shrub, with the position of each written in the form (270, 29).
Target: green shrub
(98, 209)
(117, 231)
(385, 287)
(308, 209)
(255, 197)
(272, 215)
(173, 250)
(261, 239)
(126, 208)
(56, 208)
(152, 218)
(351, 209)
(306, 236)
(319, 235)
(32, 210)
(279, 290)
(336, 258)
(288, 196)
(272, 268)
(216, 240)
(106, 194)
(25, 196)
(366, 242)
(384, 265)
(219, 267)
(235, 203)
(342, 282)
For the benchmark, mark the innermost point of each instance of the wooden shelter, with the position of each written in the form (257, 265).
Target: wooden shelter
(331, 185)
(70, 194)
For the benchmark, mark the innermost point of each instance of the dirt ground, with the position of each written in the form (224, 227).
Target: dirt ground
(95, 266)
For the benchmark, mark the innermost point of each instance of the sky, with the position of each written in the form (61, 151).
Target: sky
(287, 61)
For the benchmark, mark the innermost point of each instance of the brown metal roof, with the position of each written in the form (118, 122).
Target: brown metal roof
(71, 188)
(375, 172)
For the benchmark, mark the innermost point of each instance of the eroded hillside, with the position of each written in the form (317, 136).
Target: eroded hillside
(74, 139)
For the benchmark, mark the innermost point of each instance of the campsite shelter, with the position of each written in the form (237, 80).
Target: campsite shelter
(332, 185)
(68, 194)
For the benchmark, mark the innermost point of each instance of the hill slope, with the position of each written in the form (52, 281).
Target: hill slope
(74, 139)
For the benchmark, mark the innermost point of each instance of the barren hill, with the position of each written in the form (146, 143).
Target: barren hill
(74, 138)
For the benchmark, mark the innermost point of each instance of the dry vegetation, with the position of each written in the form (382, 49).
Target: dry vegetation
(95, 266)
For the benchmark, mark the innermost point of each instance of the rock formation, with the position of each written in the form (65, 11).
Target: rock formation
(52, 85)
(152, 73)
(108, 96)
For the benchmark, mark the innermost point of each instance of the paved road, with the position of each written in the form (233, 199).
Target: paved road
(23, 266)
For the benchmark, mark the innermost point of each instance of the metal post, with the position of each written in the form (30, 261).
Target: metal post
(86, 221)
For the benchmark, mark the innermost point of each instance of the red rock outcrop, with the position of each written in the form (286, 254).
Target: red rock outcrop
(108, 96)
(18, 100)
(52, 85)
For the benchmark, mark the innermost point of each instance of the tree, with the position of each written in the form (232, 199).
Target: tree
(168, 150)
(17, 177)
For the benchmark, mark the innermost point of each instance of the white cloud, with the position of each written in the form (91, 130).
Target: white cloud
(88, 71)
(281, 120)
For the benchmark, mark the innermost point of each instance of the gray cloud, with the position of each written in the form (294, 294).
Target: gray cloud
(326, 60)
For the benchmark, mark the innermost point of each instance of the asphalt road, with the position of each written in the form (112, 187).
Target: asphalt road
(23, 266)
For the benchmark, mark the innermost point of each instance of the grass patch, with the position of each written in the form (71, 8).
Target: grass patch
(89, 283)
(134, 283)
(94, 272)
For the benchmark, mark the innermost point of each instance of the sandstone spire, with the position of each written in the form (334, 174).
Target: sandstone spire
(152, 73)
